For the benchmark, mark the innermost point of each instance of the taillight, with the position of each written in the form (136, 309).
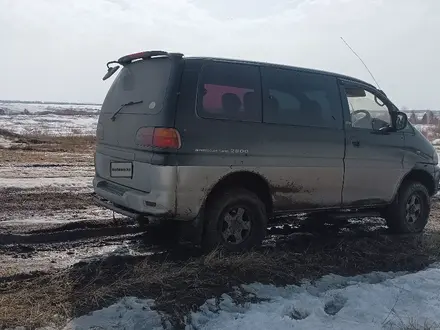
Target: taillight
(158, 137)
(166, 138)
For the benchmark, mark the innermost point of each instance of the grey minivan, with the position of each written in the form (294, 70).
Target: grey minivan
(225, 146)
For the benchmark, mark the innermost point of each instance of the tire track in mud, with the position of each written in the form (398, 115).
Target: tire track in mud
(46, 230)
(33, 201)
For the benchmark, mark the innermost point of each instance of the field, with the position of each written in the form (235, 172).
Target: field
(63, 257)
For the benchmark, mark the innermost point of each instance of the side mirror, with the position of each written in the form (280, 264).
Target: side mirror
(401, 121)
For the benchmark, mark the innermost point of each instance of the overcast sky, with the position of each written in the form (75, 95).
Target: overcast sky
(57, 49)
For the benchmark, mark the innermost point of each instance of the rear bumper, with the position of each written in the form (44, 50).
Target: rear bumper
(131, 202)
(117, 209)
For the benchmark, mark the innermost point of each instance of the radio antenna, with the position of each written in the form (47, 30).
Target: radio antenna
(361, 61)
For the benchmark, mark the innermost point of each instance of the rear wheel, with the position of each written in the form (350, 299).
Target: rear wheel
(235, 220)
(410, 210)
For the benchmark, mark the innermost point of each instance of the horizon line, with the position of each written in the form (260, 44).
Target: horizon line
(50, 102)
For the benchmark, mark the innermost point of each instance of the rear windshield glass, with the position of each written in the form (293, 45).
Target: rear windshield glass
(145, 81)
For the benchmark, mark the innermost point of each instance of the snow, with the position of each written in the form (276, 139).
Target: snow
(129, 313)
(68, 183)
(61, 178)
(11, 108)
(4, 142)
(46, 171)
(334, 302)
(64, 177)
(48, 177)
(372, 301)
(53, 119)
(50, 124)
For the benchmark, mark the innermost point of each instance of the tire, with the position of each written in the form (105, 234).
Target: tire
(401, 217)
(223, 210)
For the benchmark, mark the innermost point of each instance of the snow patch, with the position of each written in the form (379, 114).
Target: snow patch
(52, 119)
(4, 142)
(50, 124)
(370, 301)
(68, 183)
(128, 313)
(13, 108)
(46, 171)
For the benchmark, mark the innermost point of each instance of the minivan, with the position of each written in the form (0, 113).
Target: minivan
(225, 146)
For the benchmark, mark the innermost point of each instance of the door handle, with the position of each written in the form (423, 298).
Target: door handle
(355, 143)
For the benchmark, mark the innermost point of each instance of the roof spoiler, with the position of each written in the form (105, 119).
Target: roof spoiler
(127, 59)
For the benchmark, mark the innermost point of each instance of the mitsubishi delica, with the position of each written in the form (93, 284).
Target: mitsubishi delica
(225, 146)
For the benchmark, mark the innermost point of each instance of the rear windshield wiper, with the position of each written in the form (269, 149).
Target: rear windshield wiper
(123, 106)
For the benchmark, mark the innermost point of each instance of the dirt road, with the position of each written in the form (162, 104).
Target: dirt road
(69, 256)
(48, 221)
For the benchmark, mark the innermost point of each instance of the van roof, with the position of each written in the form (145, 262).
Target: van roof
(152, 53)
(281, 66)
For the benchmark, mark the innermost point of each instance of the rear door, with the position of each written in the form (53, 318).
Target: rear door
(142, 96)
(374, 157)
(144, 83)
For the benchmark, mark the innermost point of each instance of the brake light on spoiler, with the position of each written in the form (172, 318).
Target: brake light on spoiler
(158, 137)
(127, 59)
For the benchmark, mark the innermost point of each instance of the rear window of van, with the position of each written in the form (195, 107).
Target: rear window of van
(145, 81)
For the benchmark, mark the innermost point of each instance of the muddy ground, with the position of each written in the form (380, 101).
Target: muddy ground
(68, 256)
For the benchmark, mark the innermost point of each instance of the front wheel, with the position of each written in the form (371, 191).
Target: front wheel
(235, 220)
(409, 212)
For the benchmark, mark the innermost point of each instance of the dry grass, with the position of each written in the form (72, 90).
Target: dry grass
(8, 156)
(35, 141)
(48, 143)
(40, 148)
(179, 283)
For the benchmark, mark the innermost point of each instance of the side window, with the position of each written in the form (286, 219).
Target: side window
(229, 91)
(367, 110)
(285, 101)
(300, 98)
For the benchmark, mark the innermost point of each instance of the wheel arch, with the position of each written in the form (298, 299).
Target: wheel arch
(421, 176)
(251, 181)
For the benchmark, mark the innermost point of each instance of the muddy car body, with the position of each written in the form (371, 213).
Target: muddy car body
(227, 144)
